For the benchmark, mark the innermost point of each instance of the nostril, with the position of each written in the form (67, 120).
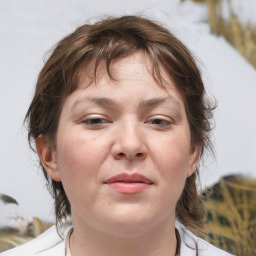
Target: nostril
(121, 154)
(139, 155)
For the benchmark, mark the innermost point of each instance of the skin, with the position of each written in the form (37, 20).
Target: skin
(130, 125)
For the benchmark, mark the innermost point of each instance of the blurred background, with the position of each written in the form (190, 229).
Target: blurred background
(221, 34)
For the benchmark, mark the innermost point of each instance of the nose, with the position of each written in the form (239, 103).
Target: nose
(129, 143)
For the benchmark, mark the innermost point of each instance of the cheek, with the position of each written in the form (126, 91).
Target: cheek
(77, 160)
(78, 168)
(172, 160)
(75, 150)
(173, 155)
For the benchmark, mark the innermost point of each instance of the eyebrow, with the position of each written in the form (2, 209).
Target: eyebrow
(157, 101)
(103, 101)
(97, 100)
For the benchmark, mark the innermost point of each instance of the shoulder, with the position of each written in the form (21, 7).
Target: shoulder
(47, 244)
(189, 243)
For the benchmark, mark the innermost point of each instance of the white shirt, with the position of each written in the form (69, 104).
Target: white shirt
(50, 244)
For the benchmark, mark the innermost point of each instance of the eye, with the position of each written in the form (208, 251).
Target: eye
(160, 122)
(95, 122)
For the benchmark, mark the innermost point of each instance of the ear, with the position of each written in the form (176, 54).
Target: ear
(48, 157)
(193, 159)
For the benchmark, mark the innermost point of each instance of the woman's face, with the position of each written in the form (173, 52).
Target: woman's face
(123, 149)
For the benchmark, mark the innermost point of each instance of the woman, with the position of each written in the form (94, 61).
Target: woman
(120, 120)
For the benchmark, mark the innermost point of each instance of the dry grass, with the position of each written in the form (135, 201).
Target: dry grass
(243, 38)
(230, 215)
(10, 238)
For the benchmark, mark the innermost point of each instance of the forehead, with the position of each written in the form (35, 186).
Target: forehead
(134, 72)
(136, 66)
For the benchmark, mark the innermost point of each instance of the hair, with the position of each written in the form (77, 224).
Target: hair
(102, 42)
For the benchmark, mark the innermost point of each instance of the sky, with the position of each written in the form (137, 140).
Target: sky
(29, 29)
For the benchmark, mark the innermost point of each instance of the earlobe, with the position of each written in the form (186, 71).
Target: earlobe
(47, 157)
(193, 159)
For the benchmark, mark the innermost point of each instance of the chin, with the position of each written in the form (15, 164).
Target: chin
(130, 224)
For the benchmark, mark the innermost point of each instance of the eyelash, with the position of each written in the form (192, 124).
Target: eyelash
(163, 122)
(95, 122)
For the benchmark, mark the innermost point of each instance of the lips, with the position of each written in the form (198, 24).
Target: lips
(129, 178)
(128, 183)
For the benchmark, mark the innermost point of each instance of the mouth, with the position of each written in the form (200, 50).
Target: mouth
(128, 183)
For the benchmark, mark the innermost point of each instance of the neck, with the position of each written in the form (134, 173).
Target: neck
(158, 241)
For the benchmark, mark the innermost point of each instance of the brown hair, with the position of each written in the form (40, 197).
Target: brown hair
(104, 41)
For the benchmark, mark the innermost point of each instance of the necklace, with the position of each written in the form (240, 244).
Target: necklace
(68, 251)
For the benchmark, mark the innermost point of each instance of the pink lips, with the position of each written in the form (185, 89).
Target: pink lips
(128, 183)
